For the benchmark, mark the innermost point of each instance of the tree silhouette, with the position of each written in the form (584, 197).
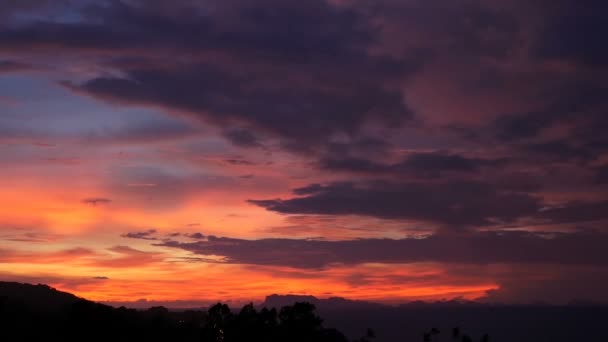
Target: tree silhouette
(370, 334)
(466, 338)
(455, 333)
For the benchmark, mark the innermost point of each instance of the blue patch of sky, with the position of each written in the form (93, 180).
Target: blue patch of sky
(41, 104)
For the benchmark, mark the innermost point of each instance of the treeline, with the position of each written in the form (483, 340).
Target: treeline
(88, 321)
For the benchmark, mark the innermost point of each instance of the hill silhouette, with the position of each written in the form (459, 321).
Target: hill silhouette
(38, 297)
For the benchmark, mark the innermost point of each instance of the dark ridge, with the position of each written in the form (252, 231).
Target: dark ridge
(36, 297)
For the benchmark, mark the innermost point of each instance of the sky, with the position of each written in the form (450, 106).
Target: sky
(186, 152)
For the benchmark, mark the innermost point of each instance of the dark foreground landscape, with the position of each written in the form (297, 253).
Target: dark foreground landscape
(41, 313)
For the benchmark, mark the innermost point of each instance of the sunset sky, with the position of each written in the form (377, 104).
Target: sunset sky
(186, 151)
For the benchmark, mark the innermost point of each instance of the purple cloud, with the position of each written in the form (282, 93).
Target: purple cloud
(578, 248)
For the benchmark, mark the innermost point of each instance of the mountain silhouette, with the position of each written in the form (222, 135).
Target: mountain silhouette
(332, 303)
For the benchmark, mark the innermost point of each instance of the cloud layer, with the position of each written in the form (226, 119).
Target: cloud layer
(479, 248)
(351, 145)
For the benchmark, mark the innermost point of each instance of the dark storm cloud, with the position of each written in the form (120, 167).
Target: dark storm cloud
(94, 34)
(354, 165)
(300, 71)
(426, 165)
(523, 126)
(443, 162)
(566, 102)
(241, 137)
(577, 34)
(305, 71)
(450, 203)
(360, 148)
(477, 248)
(602, 175)
(577, 212)
(465, 28)
(286, 32)
(297, 115)
(316, 75)
(557, 150)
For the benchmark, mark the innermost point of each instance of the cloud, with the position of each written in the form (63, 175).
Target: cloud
(239, 162)
(301, 115)
(33, 236)
(150, 130)
(54, 257)
(556, 151)
(576, 35)
(196, 236)
(578, 248)
(424, 165)
(159, 186)
(12, 66)
(458, 203)
(151, 235)
(66, 283)
(94, 201)
(562, 103)
(128, 130)
(241, 137)
(334, 85)
(577, 212)
(452, 204)
(127, 257)
(417, 116)
(602, 175)
(9, 8)
(144, 235)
